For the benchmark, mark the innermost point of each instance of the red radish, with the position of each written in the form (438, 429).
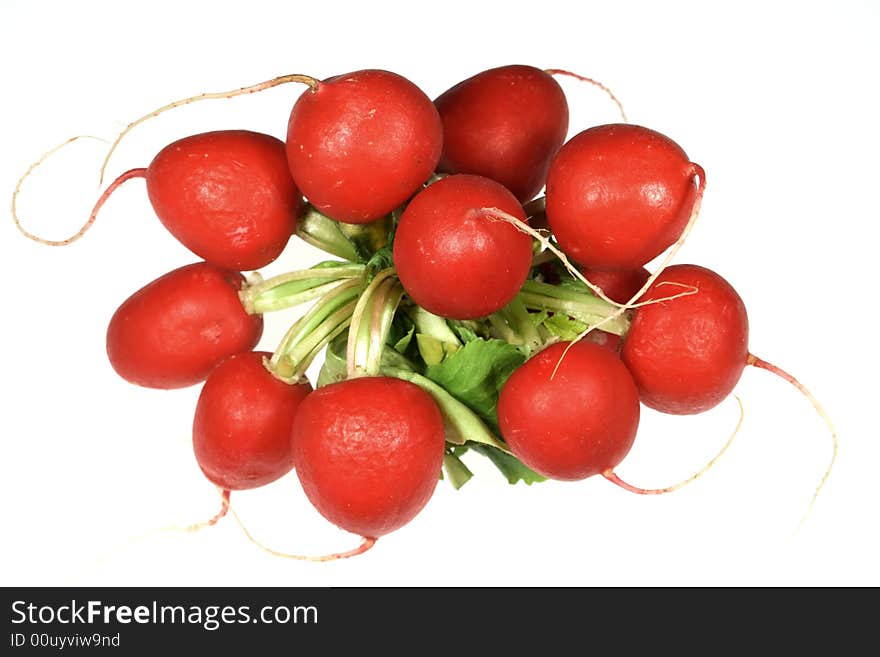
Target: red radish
(506, 124)
(618, 195)
(455, 261)
(687, 354)
(227, 196)
(243, 420)
(572, 418)
(361, 144)
(173, 331)
(368, 452)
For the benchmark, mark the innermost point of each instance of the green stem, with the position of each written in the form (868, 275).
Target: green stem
(354, 242)
(500, 329)
(296, 287)
(325, 233)
(329, 330)
(384, 307)
(586, 298)
(370, 237)
(456, 471)
(370, 306)
(580, 305)
(322, 320)
(433, 325)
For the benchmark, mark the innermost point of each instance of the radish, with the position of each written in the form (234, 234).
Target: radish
(173, 331)
(243, 420)
(442, 231)
(505, 123)
(225, 195)
(368, 452)
(359, 145)
(687, 354)
(570, 417)
(618, 195)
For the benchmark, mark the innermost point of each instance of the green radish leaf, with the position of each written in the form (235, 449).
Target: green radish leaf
(401, 345)
(401, 333)
(465, 330)
(381, 259)
(510, 466)
(564, 327)
(475, 374)
(462, 424)
(431, 349)
(539, 317)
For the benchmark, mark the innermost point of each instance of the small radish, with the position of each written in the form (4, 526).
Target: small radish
(359, 145)
(618, 195)
(687, 354)
(243, 420)
(368, 452)
(226, 195)
(570, 416)
(505, 123)
(453, 259)
(173, 331)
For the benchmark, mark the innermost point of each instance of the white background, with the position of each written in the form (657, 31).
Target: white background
(777, 101)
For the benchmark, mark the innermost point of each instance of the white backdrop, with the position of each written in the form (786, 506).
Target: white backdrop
(778, 103)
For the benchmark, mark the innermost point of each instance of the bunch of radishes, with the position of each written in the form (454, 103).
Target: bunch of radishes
(465, 314)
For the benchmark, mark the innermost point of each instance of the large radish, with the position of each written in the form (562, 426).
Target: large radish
(361, 144)
(368, 452)
(618, 195)
(506, 124)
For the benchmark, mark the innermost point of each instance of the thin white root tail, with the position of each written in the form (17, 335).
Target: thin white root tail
(770, 367)
(365, 545)
(613, 478)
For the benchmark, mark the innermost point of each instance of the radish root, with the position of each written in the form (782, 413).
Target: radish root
(614, 479)
(268, 84)
(770, 367)
(224, 509)
(596, 83)
(365, 545)
(139, 173)
(24, 176)
(128, 175)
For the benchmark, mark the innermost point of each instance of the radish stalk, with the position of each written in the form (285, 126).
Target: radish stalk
(296, 287)
(371, 323)
(304, 340)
